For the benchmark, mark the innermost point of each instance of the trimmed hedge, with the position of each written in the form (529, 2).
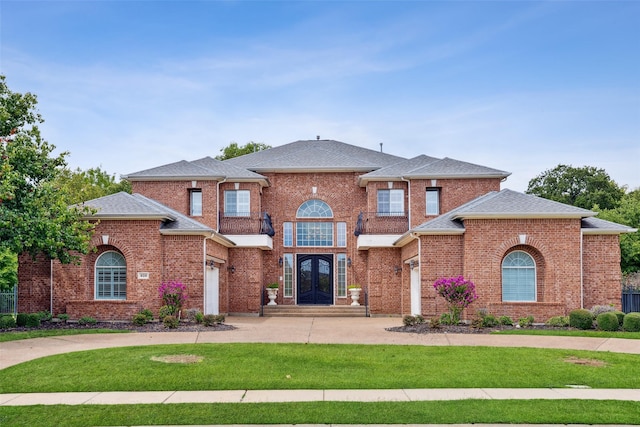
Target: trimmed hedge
(581, 319)
(631, 322)
(608, 321)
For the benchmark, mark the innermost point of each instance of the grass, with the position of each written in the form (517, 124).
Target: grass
(443, 412)
(43, 333)
(571, 333)
(318, 366)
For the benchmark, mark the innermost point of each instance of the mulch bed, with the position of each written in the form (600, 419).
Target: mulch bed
(149, 327)
(424, 328)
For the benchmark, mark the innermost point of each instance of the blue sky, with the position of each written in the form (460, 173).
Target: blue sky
(515, 85)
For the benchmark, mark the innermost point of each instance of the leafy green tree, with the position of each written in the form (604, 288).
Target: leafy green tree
(79, 186)
(627, 213)
(34, 215)
(8, 269)
(234, 150)
(584, 187)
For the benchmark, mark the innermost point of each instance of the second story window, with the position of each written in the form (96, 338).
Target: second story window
(433, 201)
(390, 202)
(195, 202)
(237, 203)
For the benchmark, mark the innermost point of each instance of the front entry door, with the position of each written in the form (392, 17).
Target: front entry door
(315, 279)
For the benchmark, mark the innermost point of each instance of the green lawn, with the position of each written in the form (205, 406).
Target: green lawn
(318, 366)
(43, 333)
(445, 412)
(571, 333)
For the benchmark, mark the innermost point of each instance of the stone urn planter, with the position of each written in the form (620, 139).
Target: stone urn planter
(272, 293)
(354, 292)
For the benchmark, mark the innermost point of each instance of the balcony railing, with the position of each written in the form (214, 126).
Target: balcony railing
(246, 223)
(382, 223)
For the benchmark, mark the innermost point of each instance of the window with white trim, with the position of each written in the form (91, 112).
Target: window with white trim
(195, 202)
(518, 277)
(237, 203)
(314, 234)
(390, 202)
(341, 234)
(342, 275)
(287, 234)
(287, 267)
(314, 209)
(433, 201)
(111, 276)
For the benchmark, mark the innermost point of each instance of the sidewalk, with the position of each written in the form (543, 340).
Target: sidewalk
(305, 330)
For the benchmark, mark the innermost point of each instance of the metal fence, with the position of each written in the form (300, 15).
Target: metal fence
(9, 301)
(631, 300)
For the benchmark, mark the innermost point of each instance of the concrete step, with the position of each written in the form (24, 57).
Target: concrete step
(314, 311)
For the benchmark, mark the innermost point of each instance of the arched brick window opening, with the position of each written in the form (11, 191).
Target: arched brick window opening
(110, 276)
(522, 270)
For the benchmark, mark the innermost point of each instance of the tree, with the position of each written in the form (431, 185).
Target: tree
(34, 215)
(627, 213)
(233, 150)
(8, 269)
(79, 186)
(584, 187)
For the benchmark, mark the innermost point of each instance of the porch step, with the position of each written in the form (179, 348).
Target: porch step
(314, 311)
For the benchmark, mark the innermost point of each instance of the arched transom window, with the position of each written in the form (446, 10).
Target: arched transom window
(111, 276)
(518, 277)
(314, 209)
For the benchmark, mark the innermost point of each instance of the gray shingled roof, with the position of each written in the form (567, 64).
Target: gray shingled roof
(510, 204)
(206, 168)
(601, 226)
(425, 167)
(315, 155)
(136, 206)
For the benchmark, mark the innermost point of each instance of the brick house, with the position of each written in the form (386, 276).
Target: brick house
(316, 216)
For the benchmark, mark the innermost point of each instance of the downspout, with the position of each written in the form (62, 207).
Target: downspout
(408, 199)
(581, 269)
(51, 287)
(218, 204)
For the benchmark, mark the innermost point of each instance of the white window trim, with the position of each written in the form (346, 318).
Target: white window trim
(535, 276)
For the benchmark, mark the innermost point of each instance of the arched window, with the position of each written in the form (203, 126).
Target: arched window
(314, 209)
(111, 276)
(518, 277)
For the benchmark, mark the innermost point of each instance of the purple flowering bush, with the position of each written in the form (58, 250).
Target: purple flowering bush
(173, 295)
(459, 294)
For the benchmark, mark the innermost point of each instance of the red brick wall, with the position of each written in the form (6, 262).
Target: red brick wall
(247, 281)
(184, 262)
(34, 284)
(175, 194)
(453, 193)
(383, 283)
(602, 275)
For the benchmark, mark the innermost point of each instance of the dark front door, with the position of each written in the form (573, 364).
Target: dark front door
(315, 279)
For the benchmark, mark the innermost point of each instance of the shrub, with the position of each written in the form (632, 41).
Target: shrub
(44, 316)
(608, 321)
(33, 320)
(631, 322)
(166, 310)
(213, 319)
(220, 319)
(87, 320)
(173, 294)
(476, 323)
(489, 321)
(581, 319)
(558, 321)
(21, 319)
(7, 322)
(139, 319)
(147, 313)
(407, 320)
(419, 319)
(199, 317)
(524, 322)
(63, 316)
(170, 322)
(505, 321)
(191, 314)
(620, 316)
(599, 309)
(434, 323)
(459, 294)
(445, 319)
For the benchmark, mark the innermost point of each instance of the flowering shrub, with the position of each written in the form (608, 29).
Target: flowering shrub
(458, 293)
(173, 295)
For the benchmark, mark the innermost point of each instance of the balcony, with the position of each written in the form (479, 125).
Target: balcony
(382, 223)
(246, 223)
